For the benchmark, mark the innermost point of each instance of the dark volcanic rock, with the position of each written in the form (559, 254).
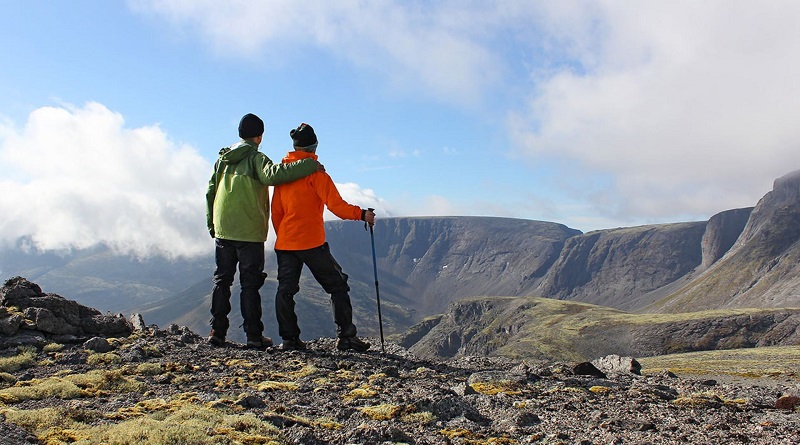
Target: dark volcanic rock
(47, 315)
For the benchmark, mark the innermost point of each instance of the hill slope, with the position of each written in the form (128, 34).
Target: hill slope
(532, 327)
(762, 269)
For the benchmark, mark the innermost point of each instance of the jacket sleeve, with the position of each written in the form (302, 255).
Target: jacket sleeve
(211, 193)
(277, 209)
(329, 194)
(270, 173)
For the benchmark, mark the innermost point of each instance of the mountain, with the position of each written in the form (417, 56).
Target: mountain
(623, 267)
(739, 258)
(730, 282)
(100, 278)
(762, 268)
(423, 265)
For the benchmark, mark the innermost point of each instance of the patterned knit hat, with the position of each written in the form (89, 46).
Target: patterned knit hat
(303, 136)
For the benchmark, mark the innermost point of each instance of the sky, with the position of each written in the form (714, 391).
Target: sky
(592, 114)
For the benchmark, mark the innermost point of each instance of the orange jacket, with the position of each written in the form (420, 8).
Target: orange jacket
(297, 208)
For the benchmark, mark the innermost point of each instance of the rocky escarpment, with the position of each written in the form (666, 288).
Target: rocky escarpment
(29, 315)
(722, 231)
(167, 386)
(762, 269)
(617, 267)
(549, 329)
(426, 263)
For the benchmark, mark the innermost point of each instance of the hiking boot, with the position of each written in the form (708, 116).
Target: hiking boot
(354, 343)
(216, 338)
(258, 342)
(293, 344)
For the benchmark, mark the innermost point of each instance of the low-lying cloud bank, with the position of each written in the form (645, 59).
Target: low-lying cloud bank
(77, 177)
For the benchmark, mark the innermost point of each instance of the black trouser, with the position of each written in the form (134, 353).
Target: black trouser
(250, 258)
(328, 274)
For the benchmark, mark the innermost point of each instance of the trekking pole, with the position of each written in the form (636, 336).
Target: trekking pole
(375, 272)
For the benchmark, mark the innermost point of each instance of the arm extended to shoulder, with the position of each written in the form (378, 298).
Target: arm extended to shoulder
(274, 174)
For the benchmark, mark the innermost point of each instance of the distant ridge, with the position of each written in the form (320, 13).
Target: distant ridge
(738, 259)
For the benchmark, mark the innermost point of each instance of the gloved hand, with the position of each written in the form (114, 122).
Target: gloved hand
(368, 216)
(211, 232)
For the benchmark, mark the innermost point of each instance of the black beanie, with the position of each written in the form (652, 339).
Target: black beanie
(303, 136)
(250, 126)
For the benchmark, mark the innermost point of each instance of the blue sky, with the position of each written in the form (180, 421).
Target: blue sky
(591, 114)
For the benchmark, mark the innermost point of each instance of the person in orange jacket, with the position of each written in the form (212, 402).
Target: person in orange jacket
(297, 209)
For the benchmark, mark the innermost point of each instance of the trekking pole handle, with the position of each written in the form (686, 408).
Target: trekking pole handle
(369, 209)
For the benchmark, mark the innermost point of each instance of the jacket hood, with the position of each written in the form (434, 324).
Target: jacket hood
(237, 152)
(298, 155)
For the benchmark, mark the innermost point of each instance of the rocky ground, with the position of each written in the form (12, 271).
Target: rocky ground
(327, 396)
(168, 386)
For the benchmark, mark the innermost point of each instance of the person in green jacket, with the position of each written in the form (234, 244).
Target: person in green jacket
(237, 215)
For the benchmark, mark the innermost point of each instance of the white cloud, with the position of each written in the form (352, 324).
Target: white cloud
(650, 110)
(434, 48)
(79, 177)
(684, 107)
(75, 177)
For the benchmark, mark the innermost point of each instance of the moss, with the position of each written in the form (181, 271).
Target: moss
(25, 358)
(152, 351)
(457, 432)
(329, 424)
(377, 376)
(347, 375)
(597, 389)
(382, 412)
(505, 387)
(277, 386)
(52, 347)
(106, 358)
(7, 378)
(360, 393)
(70, 386)
(305, 371)
(423, 418)
(759, 362)
(105, 380)
(39, 389)
(698, 400)
(149, 369)
(239, 363)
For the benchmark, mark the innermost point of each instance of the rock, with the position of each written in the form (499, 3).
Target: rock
(11, 324)
(787, 402)
(107, 325)
(98, 344)
(54, 315)
(250, 401)
(587, 368)
(614, 365)
(46, 321)
(137, 321)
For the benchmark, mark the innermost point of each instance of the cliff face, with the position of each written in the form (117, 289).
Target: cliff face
(425, 263)
(722, 231)
(614, 267)
(762, 268)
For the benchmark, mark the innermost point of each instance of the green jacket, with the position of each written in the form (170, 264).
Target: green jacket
(237, 200)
